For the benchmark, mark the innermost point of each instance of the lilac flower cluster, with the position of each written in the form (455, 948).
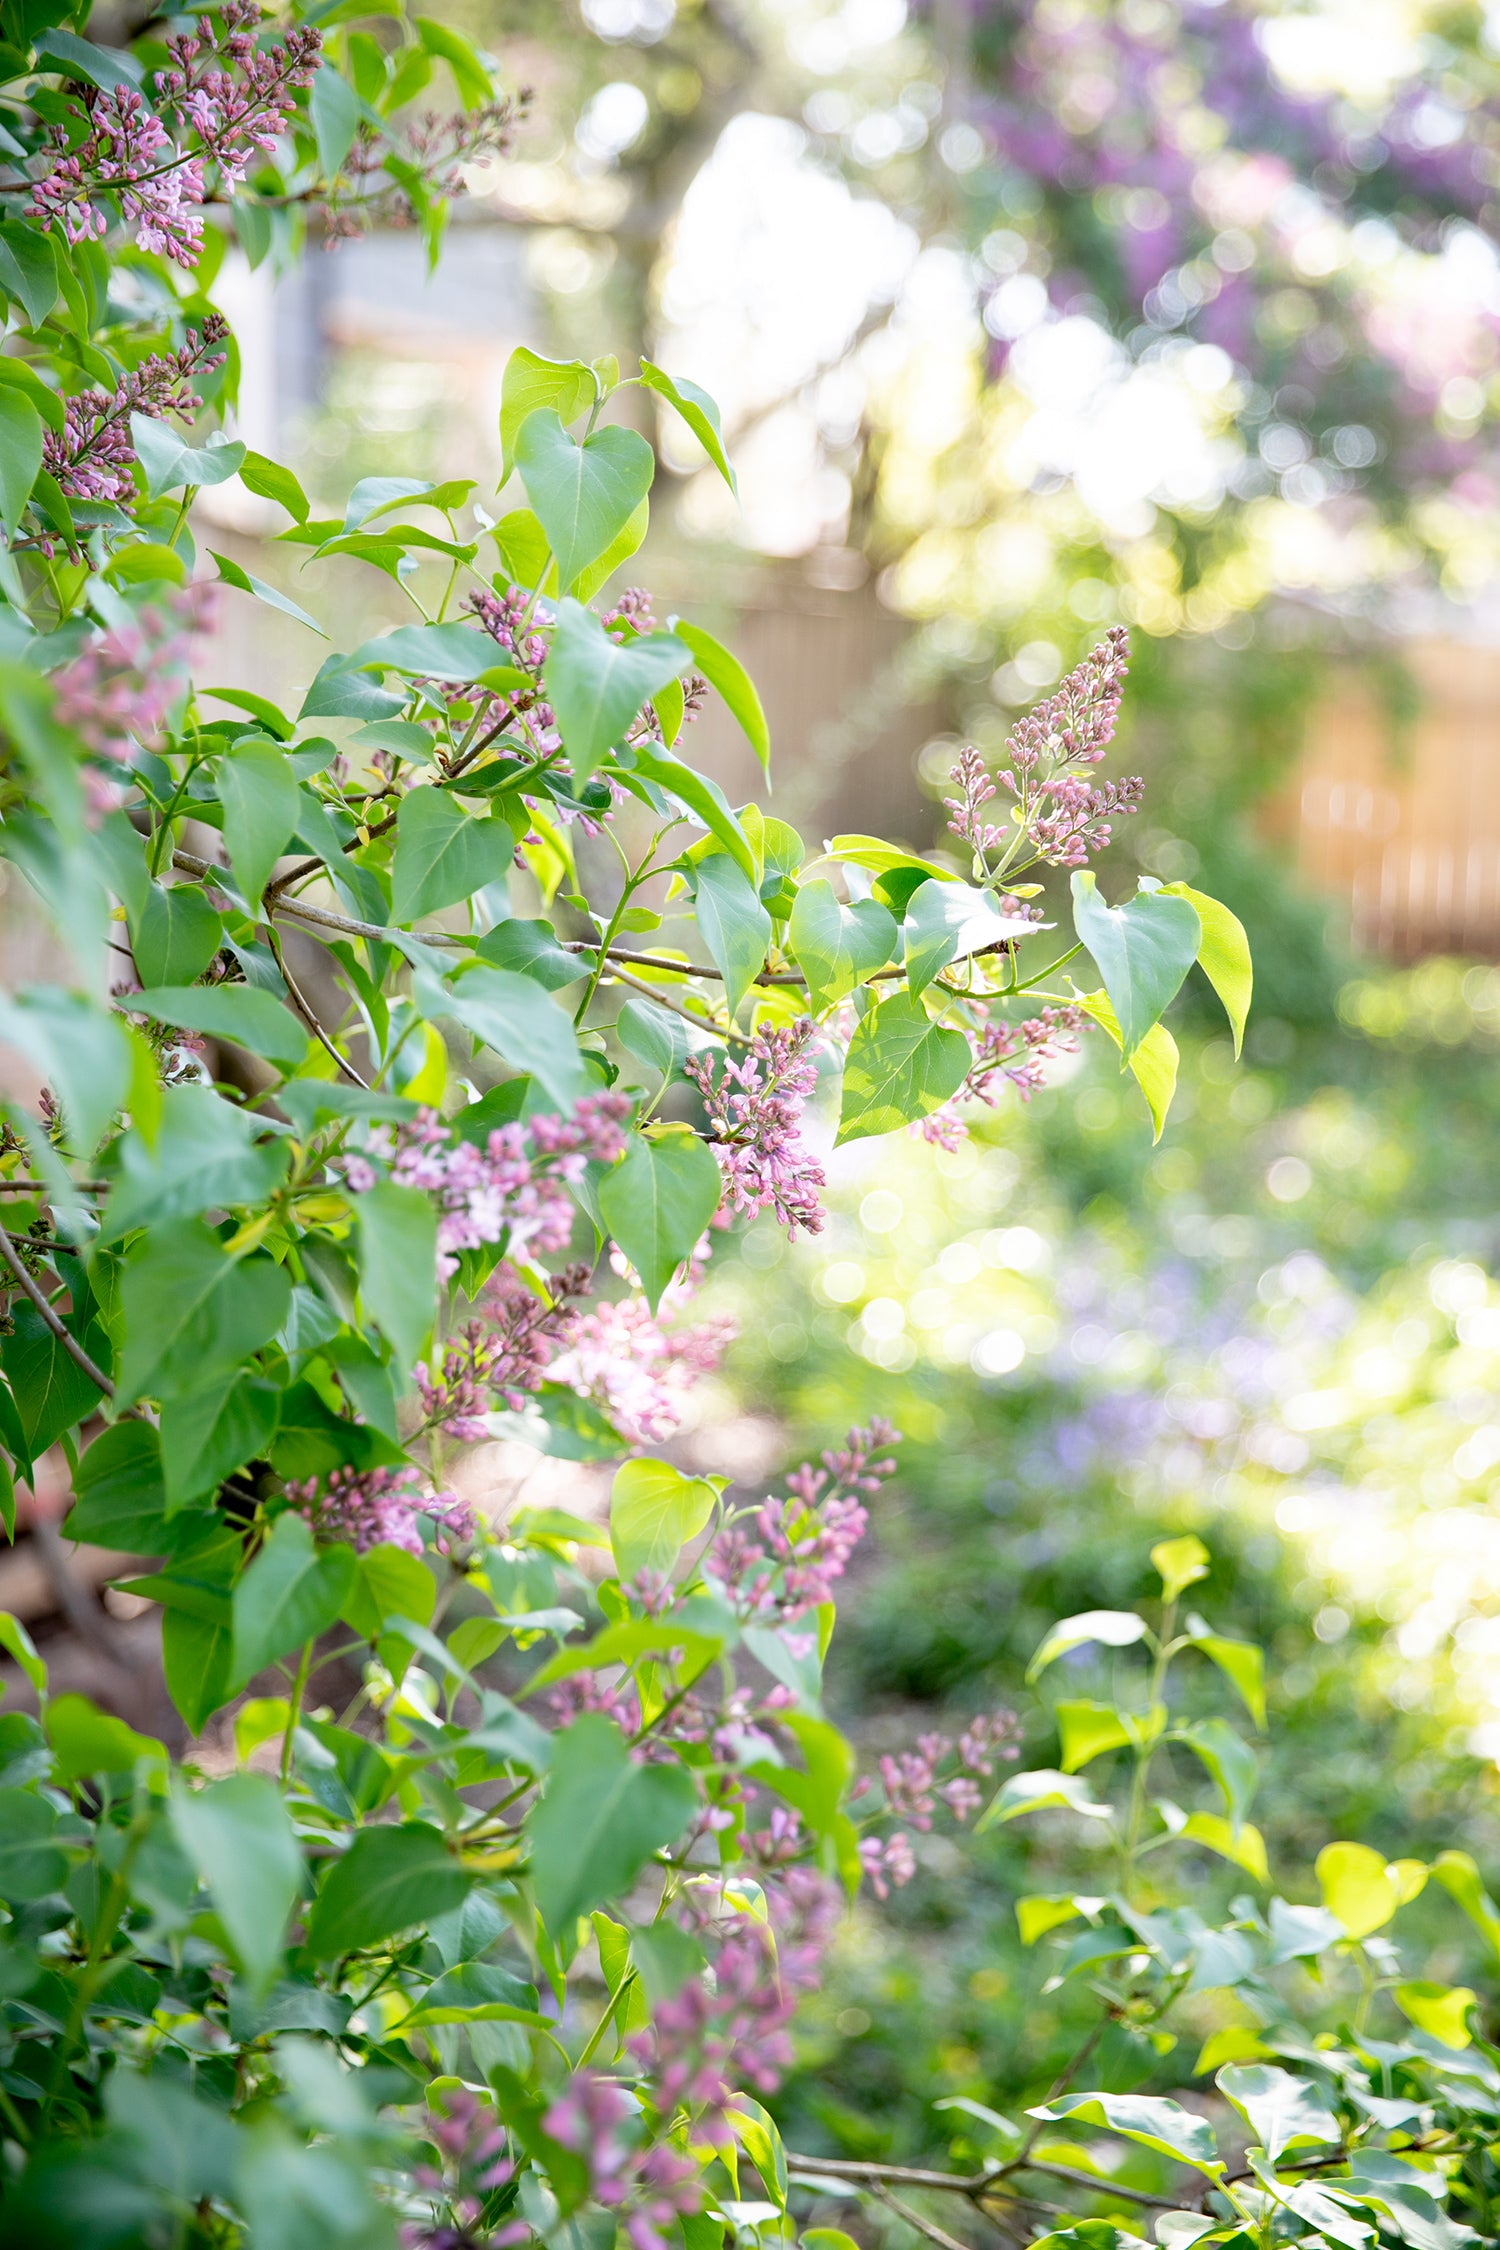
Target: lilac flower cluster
(704, 2043)
(1019, 1052)
(367, 1508)
(429, 159)
(505, 1353)
(472, 2146)
(92, 456)
(503, 1190)
(504, 616)
(651, 2187)
(912, 1790)
(231, 96)
(784, 1558)
(755, 1118)
(1062, 816)
(620, 1355)
(119, 691)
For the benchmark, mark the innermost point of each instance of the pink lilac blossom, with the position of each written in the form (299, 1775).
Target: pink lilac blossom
(228, 93)
(784, 1558)
(92, 456)
(118, 693)
(888, 1862)
(373, 1507)
(704, 2045)
(910, 1780)
(755, 1116)
(501, 1191)
(435, 148)
(502, 1354)
(1018, 1052)
(471, 2145)
(1063, 817)
(620, 1355)
(989, 1736)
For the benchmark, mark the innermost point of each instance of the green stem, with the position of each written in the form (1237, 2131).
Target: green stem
(96, 1961)
(1136, 1815)
(299, 1685)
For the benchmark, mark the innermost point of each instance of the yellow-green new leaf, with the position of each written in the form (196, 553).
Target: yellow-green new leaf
(1153, 1064)
(1087, 1730)
(1441, 2010)
(1223, 955)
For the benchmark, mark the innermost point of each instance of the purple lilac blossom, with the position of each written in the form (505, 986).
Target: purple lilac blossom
(755, 1116)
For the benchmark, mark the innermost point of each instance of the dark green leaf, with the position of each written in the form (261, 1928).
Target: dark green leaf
(531, 950)
(290, 1593)
(660, 1037)
(478, 1992)
(240, 1012)
(600, 1820)
(398, 1264)
(30, 1865)
(188, 1309)
(205, 1155)
(443, 854)
(51, 1391)
(388, 1879)
(515, 1017)
(900, 1066)
(174, 936)
(262, 804)
(20, 453)
(736, 927)
(208, 1434)
(237, 1835)
(432, 652)
(28, 269)
(121, 1497)
(657, 1201)
(197, 1659)
(342, 692)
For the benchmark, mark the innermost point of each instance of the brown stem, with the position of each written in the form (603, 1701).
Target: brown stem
(305, 1012)
(934, 2234)
(64, 1335)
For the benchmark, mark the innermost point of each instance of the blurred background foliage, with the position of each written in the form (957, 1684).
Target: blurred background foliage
(1028, 317)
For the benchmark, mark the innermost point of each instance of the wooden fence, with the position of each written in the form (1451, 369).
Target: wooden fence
(1402, 819)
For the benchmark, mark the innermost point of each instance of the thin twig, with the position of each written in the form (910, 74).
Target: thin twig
(902, 2175)
(934, 2234)
(1099, 2186)
(64, 1335)
(323, 918)
(974, 2185)
(618, 975)
(43, 1187)
(304, 1010)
